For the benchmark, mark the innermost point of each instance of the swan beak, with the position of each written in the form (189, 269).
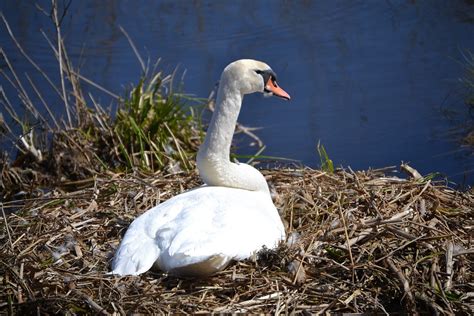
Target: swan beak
(276, 90)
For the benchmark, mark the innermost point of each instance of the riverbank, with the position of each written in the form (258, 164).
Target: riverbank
(360, 242)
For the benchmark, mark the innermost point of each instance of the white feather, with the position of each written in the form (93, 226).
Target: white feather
(193, 226)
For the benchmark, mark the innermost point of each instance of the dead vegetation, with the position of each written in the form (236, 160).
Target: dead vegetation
(359, 242)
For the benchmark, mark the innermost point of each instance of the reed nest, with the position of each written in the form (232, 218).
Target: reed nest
(359, 242)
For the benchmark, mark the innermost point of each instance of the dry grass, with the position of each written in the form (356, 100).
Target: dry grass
(364, 243)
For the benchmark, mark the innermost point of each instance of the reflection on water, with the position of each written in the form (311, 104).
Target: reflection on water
(368, 78)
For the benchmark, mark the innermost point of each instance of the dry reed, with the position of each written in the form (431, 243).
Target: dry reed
(359, 242)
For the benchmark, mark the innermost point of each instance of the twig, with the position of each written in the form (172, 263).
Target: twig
(60, 56)
(347, 238)
(405, 284)
(135, 50)
(441, 291)
(300, 274)
(449, 265)
(7, 228)
(96, 307)
(95, 85)
(369, 196)
(22, 94)
(248, 131)
(35, 89)
(406, 207)
(22, 51)
(260, 299)
(8, 106)
(256, 154)
(411, 171)
(362, 235)
(399, 248)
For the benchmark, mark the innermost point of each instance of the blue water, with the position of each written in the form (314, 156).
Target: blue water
(370, 80)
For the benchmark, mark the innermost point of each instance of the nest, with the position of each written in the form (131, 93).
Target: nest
(358, 242)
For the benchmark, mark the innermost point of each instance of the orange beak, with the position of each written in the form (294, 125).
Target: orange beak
(276, 90)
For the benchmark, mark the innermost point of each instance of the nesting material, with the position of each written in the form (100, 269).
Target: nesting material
(359, 242)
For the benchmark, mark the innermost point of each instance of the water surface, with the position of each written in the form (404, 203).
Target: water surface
(369, 79)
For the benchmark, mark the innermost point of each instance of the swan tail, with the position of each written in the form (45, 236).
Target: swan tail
(135, 256)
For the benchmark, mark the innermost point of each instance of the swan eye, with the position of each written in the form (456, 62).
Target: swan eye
(266, 75)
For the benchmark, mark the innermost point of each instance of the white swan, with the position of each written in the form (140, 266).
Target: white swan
(199, 232)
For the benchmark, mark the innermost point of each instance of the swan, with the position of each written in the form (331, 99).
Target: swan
(197, 233)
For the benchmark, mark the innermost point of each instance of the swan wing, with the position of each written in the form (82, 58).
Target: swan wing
(145, 238)
(209, 224)
(225, 222)
(137, 254)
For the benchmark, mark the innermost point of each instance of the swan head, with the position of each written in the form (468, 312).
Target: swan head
(251, 76)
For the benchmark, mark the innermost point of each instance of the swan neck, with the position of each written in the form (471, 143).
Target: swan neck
(222, 126)
(215, 167)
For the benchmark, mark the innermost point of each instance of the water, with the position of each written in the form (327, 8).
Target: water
(370, 80)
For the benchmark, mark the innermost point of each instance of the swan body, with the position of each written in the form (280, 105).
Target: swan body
(197, 233)
(198, 226)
